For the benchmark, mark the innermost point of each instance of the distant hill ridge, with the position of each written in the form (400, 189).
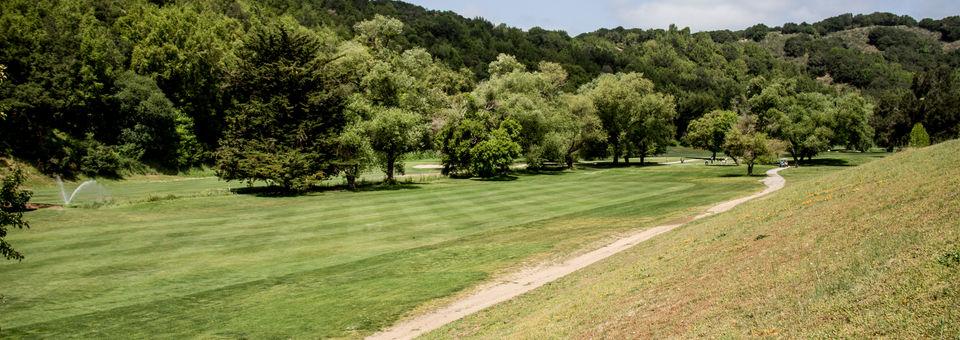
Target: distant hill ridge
(474, 42)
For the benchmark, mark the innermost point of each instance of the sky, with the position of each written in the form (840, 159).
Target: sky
(577, 17)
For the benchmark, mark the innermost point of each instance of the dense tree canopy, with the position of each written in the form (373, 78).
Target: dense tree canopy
(813, 120)
(286, 91)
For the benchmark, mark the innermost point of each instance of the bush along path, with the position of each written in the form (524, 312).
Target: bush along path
(529, 279)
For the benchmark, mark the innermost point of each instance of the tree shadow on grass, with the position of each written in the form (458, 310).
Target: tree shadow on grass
(610, 165)
(502, 178)
(744, 174)
(277, 191)
(825, 162)
(550, 171)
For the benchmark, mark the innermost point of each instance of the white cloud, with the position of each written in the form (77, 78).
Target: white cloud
(695, 15)
(472, 11)
(577, 16)
(738, 14)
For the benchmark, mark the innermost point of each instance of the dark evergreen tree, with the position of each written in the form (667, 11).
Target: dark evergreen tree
(286, 113)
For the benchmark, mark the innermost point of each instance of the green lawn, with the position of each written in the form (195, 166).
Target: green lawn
(327, 264)
(141, 188)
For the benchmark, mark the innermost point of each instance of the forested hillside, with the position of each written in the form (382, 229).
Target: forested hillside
(294, 91)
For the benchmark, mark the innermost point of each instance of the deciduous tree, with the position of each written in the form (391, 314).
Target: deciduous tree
(631, 113)
(354, 154)
(710, 131)
(851, 122)
(651, 129)
(394, 132)
(747, 145)
(13, 201)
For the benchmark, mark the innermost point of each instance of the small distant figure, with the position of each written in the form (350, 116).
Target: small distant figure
(681, 160)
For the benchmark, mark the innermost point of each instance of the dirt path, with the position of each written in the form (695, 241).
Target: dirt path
(529, 279)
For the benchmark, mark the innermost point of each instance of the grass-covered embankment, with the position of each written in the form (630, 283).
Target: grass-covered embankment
(868, 251)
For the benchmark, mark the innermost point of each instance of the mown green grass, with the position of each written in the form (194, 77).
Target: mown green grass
(869, 251)
(154, 187)
(327, 264)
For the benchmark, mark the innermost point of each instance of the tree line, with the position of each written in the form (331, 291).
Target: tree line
(292, 92)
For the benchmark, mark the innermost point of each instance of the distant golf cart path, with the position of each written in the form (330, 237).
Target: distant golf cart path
(529, 279)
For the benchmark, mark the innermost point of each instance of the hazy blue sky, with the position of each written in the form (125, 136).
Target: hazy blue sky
(577, 17)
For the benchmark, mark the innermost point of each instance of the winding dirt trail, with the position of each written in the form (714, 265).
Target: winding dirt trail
(529, 279)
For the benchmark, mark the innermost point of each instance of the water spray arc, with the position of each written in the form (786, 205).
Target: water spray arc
(63, 192)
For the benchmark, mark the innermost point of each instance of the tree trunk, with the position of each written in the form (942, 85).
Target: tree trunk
(391, 161)
(642, 152)
(352, 178)
(505, 170)
(750, 168)
(616, 153)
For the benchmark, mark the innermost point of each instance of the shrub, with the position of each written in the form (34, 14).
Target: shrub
(101, 160)
(919, 137)
(70, 157)
(796, 46)
(493, 156)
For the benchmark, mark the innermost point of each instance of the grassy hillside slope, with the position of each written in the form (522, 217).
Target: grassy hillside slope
(869, 251)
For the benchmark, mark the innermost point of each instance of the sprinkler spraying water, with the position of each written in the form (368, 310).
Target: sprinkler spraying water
(63, 192)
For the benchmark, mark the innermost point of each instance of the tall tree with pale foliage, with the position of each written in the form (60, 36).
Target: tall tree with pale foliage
(400, 92)
(631, 112)
(393, 133)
